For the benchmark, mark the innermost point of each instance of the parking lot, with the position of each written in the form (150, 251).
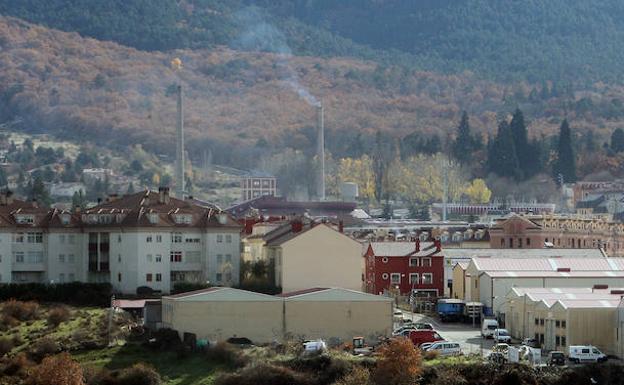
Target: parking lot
(466, 335)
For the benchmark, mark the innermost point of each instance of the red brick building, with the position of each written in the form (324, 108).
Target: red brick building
(405, 265)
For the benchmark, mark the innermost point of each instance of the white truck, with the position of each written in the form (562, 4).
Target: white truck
(586, 353)
(488, 326)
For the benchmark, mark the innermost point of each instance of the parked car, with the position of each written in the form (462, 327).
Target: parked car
(403, 331)
(445, 348)
(421, 336)
(424, 346)
(314, 346)
(502, 335)
(423, 326)
(556, 358)
(531, 342)
(397, 316)
(487, 327)
(588, 353)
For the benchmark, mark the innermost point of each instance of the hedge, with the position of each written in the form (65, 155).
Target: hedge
(74, 293)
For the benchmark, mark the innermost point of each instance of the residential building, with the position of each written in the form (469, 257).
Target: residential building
(144, 239)
(271, 206)
(313, 254)
(405, 267)
(257, 185)
(560, 232)
(333, 314)
(66, 190)
(90, 175)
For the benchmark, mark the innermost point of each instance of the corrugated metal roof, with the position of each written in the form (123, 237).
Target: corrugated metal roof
(547, 264)
(335, 294)
(521, 253)
(218, 294)
(586, 304)
(554, 274)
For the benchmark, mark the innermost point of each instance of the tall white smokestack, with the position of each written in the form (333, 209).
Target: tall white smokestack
(320, 152)
(179, 166)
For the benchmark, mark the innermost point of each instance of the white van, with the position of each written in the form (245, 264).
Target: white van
(488, 326)
(445, 348)
(586, 353)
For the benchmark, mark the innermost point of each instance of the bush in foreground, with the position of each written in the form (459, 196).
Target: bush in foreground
(57, 370)
(139, 374)
(58, 315)
(399, 363)
(264, 374)
(227, 355)
(19, 310)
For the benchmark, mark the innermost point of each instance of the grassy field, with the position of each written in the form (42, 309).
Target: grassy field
(189, 370)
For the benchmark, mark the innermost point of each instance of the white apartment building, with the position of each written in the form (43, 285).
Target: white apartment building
(143, 239)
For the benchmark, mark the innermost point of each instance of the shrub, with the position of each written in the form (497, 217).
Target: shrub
(328, 368)
(224, 354)
(264, 374)
(44, 347)
(58, 370)
(21, 311)
(166, 339)
(75, 293)
(17, 365)
(139, 374)
(431, 355)
(357, 376)
(6, 345)
(399, 363)
(57, 315)
(17, 340)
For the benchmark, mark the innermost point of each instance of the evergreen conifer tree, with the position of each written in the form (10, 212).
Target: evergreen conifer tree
(502, 159)
(464, 143)
(565, 165)
(521, 142)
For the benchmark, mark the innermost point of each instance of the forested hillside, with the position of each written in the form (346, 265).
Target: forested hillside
(575, 41)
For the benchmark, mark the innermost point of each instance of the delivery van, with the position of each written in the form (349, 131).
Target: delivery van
(488, 326)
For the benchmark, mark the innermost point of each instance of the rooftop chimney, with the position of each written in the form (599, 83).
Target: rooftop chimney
(341, 226)
(163, 195)
(417, 245)
(296, 226)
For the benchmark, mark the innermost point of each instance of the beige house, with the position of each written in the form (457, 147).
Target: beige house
(218, 313)
(459, 280)
(337, 314)
(315, 256)
(334, 314)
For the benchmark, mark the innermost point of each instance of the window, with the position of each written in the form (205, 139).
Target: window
(119, 238)
(19, 256)
(176, 256)
(119, 258)
(228, 258)
(542, 322)
(35, 257)
(413, 262)
(395, 278)
(511, 243)
(528, 241)
(219, 277)
(476, 284)
(148, 239)
(219, 259)
(413, 278)
(563, 341)
(557, 341)
(563, 324)
(176, 237)
(219, 238)
(71, 238)
(537, 322)
(228, 277)
(557, 324)
(427, 279)
(193, 256)
(384, 259)
(158, 238)
(426, 262)
(71, 258)
(62, 278)
(148, 257)
(62, 238)
(61, 258)
(384, 276)
(192, 240)
(228, 238)
(148, 277)
(65, 219)
(520, 243)
(18, 238)
(152, 218)
(118, 277)
(502, 242)
(158, 277)
(72, 277)
(541, 338)
(158, 258)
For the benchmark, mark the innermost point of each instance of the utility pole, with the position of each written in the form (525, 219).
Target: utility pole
(179, 170)
(445, 192)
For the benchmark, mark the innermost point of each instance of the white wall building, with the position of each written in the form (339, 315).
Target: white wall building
(144, 239)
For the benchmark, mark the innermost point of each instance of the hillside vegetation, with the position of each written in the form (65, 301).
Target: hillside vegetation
(571, 40)
(241, 105)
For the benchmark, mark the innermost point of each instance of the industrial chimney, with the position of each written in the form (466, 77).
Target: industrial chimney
(320, 152)
(179, 165)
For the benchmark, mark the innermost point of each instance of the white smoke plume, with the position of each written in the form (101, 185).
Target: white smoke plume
(260, 35)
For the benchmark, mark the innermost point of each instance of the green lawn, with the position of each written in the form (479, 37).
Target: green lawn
(191, 370)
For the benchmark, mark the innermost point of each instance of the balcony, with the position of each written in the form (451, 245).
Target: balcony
(25, 267)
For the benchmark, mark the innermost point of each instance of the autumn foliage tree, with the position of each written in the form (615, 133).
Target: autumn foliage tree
(399, 363)
(58, 370)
